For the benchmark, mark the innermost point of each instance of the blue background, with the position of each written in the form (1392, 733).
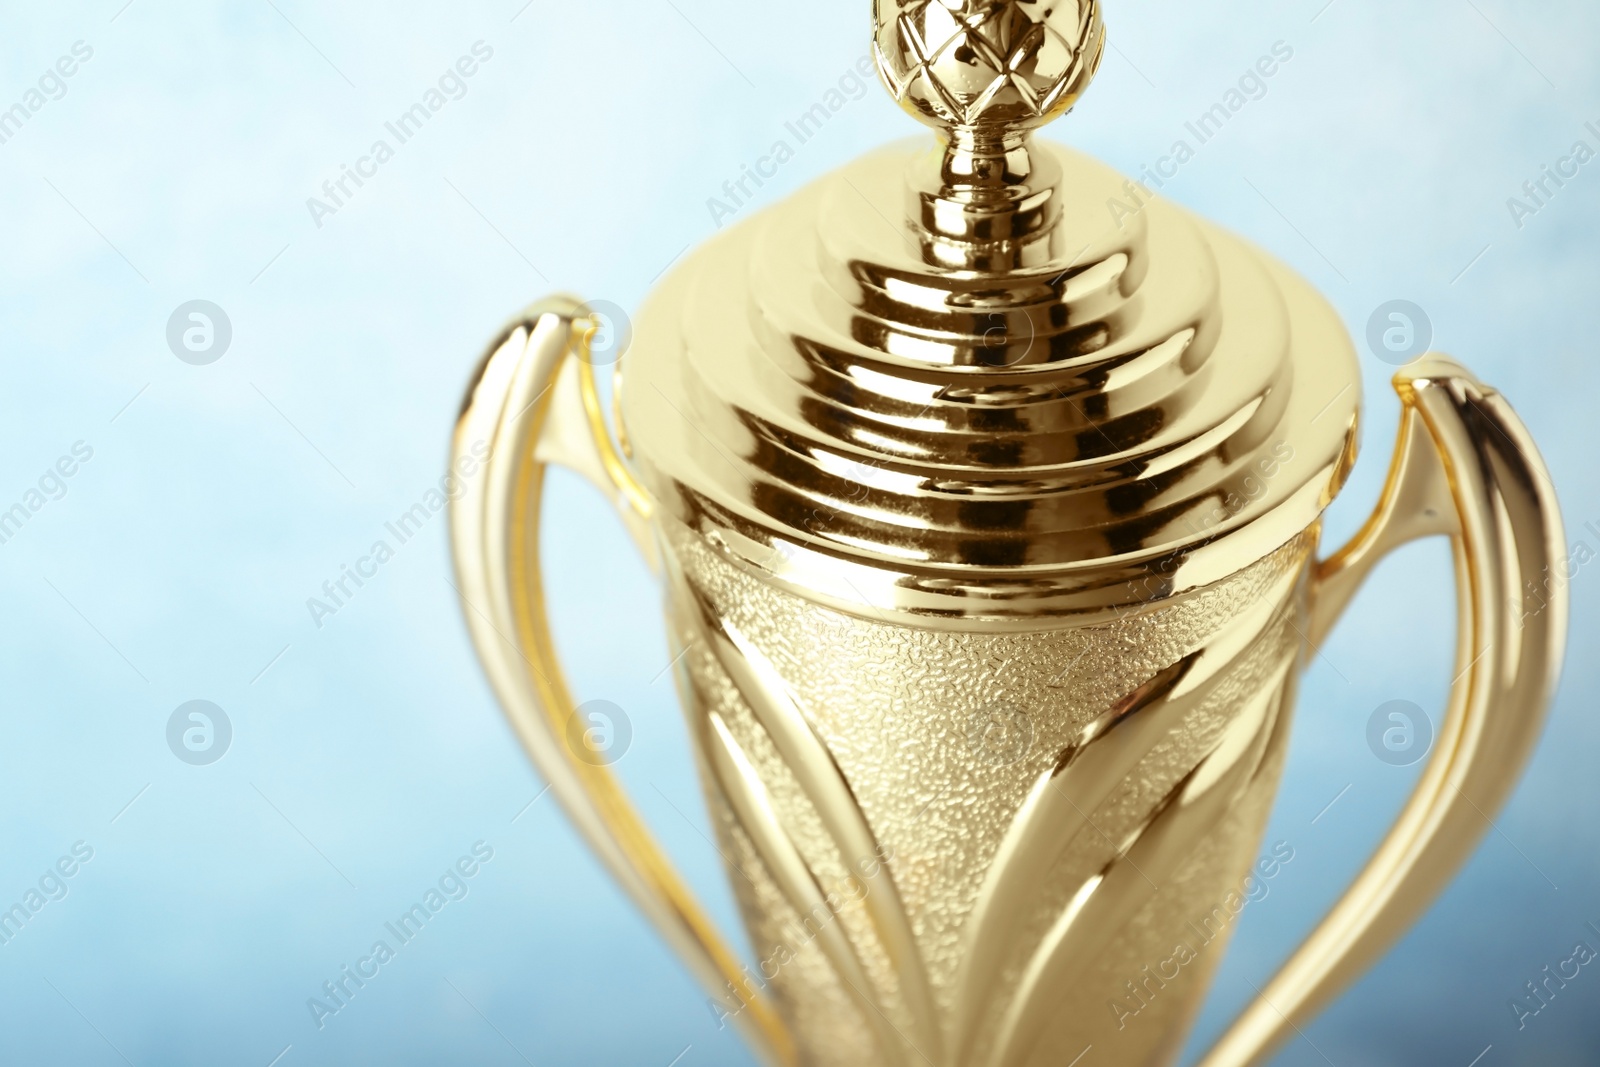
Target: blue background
(367, 754)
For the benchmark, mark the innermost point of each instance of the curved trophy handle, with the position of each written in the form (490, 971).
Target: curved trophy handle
(534, 403)
(1464, 466)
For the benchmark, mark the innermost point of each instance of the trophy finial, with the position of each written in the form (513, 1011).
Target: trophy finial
(987, 70)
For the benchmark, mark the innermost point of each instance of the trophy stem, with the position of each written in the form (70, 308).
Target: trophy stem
(985, 186)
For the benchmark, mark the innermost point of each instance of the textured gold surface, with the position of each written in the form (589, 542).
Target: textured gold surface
(896, 707)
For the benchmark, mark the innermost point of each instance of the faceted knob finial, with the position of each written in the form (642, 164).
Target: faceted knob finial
(987, 68)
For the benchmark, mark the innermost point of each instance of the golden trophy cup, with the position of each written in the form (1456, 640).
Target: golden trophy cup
(988, 522)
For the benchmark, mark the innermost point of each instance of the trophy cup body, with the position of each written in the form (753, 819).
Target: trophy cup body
(1071, 813)
(986, 491)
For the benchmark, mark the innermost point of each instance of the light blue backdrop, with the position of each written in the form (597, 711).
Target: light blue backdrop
(366, 755)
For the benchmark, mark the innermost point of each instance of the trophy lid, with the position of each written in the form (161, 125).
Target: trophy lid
(987, 378)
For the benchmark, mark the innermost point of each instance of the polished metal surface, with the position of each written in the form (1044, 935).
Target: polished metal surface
(987, 69)
(1144, 410)
(987, 519)
(950, 384)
